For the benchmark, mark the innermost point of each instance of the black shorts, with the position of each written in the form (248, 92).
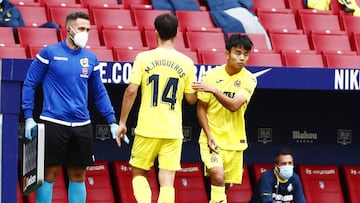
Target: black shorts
(71, 146)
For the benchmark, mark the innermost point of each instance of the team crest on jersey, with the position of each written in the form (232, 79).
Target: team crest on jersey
(237, 83)
(290, 188)
(84, 62)
(214, 159)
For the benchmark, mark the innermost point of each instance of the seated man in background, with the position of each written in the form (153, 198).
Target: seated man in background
(280, 184)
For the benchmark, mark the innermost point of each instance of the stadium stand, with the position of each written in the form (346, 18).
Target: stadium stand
(63, 2)
(126, 55)
(151, 41)
(32, 20)
(49, 5)
(98, 183)
(289, 41)
(240, 193)
(103, 54)
(351, 175)
(329, 42)
(112, 18)
(37, 36)
(19, 3)
(300, 59)
(279, 22)
(205, 40)
(265, 59)
(196, 21)
(123, 182)
(319, 22)
(58, 14)
(128, 3)
(321, 183)
(101, 4)
(7, 37)
(356, 41)
(277, 6)
(350, 23)
(122, 38)
(32, 50)
(212, 57)
(189, 184)
(342, 61)
(144, 18)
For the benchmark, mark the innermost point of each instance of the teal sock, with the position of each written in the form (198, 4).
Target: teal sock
(77, 192)
(44, 193)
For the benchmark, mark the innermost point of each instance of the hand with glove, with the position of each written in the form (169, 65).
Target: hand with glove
(114, 128)
(29, 124)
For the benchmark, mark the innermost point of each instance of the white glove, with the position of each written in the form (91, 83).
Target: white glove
(29, 124)
(113, 129)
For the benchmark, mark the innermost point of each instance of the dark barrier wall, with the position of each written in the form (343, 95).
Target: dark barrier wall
(312, 111)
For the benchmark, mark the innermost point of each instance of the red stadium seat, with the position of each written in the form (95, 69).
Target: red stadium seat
(127, 3)
(32, 20)
(192, 54)
(356, 41)
(198, 20)
(284, 41)
(123, 182)
(100, 3)
(270, 6)
(279, 22)
(13, 52)
(189, 184)
(19, 3)
(58, 14)
(7, 37)
(321, 183)
(258, 169)
(98, 184)
(151, 40)
(37, 36)
(43, 2)
(122, 38)
(319, 22)
(59, 191)
(351, 176)
(212, 57)
(70, 4)
(350, 23)
(32, 50)
(240, 193)
(304, 60)
(205, 40)
(324, 42)
(295, 5)
(145, 18)
(342, 61)
(103, 54)
(126, 55)
(19, 193)
(112, 18)
(265, 59)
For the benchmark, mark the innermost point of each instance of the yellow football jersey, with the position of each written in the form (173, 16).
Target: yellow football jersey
(226, 126)
(164, 76)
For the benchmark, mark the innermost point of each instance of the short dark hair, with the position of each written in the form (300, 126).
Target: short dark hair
(75, 15)
(166, 25)
(283, 151)
(239, 40)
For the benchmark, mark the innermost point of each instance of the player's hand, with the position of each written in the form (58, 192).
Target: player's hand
(121, 134)
(113, 129)
(212, 145)
(202, 87)
(29, 124)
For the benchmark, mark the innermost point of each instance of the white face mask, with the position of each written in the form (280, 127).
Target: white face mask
(80, 38)
(286, 171)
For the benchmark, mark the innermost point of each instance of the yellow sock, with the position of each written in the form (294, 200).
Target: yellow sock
(218, 194)
(142, 191)
(167, 195)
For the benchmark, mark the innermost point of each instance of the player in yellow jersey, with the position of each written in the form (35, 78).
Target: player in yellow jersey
(165, 77)
(223, 97)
